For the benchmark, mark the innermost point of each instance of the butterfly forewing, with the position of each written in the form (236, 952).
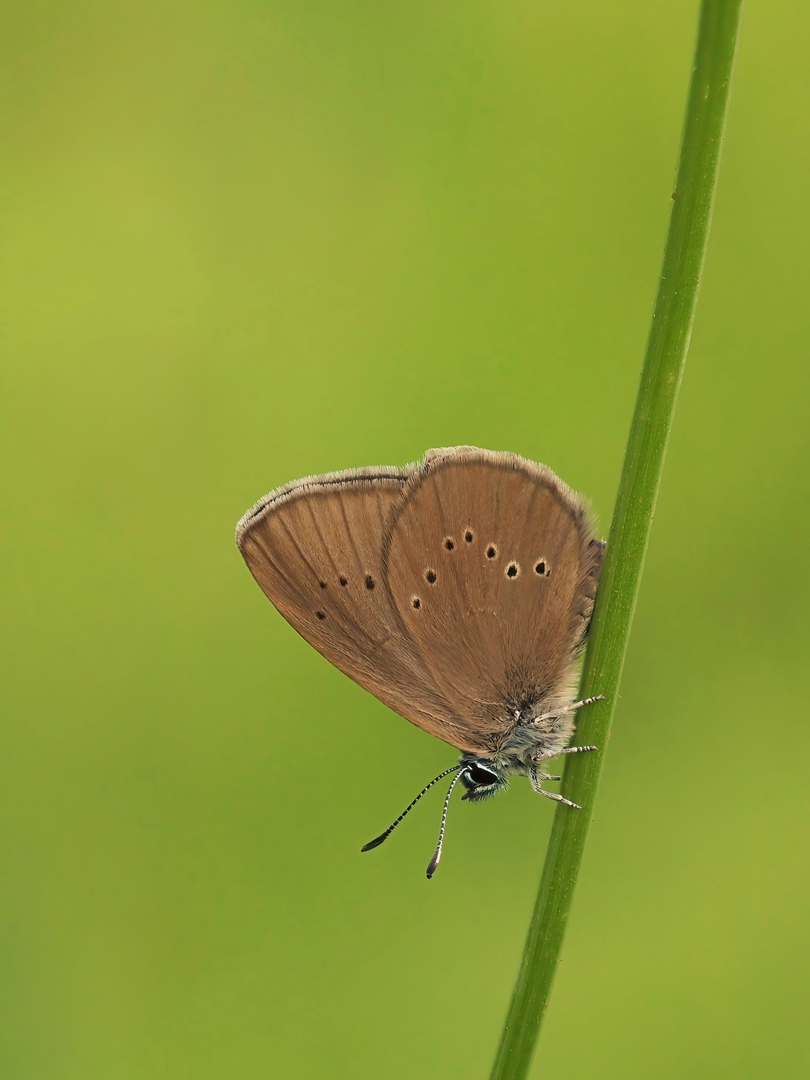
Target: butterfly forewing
(315, 549)
(500, 554)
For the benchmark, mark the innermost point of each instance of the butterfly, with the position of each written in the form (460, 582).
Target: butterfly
(457, 590)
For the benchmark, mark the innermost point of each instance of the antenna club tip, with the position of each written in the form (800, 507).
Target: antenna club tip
(433, 865)
(375, 842)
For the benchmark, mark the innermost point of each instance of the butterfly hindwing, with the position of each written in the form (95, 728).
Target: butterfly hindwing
(500, 556)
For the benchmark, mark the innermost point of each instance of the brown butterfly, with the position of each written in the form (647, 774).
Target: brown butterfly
(458, 591)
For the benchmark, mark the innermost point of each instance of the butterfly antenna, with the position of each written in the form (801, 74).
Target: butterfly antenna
(384, 836)
(434, 862)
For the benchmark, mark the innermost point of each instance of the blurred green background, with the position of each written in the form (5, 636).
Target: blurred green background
(248, 241)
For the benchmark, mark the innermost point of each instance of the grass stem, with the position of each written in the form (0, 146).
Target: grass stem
(667, 346)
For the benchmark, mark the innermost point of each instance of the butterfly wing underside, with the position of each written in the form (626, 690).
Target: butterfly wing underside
(492, 566)
(315, 549)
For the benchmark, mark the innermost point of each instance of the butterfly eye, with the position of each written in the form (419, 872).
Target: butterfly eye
(482, 776)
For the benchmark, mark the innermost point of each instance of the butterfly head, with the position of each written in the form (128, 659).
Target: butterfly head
(482, 778)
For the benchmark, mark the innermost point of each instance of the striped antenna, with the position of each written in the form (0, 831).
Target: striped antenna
(434, 862)
(384, 836)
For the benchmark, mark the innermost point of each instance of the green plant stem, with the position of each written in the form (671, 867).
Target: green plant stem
(627, 543)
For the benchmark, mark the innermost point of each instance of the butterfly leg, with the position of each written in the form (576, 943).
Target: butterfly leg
(569, 708)
(543, 775)
(535, 779)
(585, 701)
(565, 750)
